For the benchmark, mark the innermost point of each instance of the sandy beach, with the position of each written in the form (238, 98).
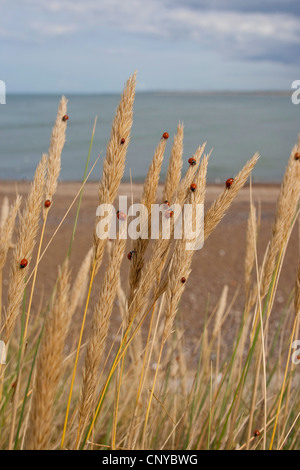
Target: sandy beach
(220, 262)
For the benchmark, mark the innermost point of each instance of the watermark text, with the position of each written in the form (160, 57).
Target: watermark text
(161, 221)
(296, 94)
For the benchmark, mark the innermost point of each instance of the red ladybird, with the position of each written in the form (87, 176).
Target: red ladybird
(193, 187)
(122, 141)
(165, 135)
(47, 203)
(297, 156)
(192, 161)
(169, 213)
(121, 215)
(130, 254)
(229, 182)
(256, 433)
(183, 280)
(23, 263)
(65, 117)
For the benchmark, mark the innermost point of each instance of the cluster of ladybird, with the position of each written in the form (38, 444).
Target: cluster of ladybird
(168, 212)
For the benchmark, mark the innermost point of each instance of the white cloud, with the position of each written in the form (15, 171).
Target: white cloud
(156, 16)
(240, 32)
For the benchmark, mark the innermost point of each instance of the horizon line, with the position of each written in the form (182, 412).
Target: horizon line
(158, 91)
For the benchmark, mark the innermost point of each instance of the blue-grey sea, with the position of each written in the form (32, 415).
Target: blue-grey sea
(233, 125)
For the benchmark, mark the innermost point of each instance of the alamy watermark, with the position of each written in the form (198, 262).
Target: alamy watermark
(2, 92)
(296, 94)
(162, 221)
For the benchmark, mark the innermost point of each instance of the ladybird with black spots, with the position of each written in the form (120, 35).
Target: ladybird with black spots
(23, 263)
(130, 254)
(169, 213)
(229, 182)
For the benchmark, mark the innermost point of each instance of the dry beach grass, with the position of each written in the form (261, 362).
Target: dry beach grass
(169, 349)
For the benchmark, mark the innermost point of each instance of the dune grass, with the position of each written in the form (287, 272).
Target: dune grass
(104, 393)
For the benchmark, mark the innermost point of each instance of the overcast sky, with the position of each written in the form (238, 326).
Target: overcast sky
(94, 45)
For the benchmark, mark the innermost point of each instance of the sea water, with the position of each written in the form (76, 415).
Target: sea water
(233, 125)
